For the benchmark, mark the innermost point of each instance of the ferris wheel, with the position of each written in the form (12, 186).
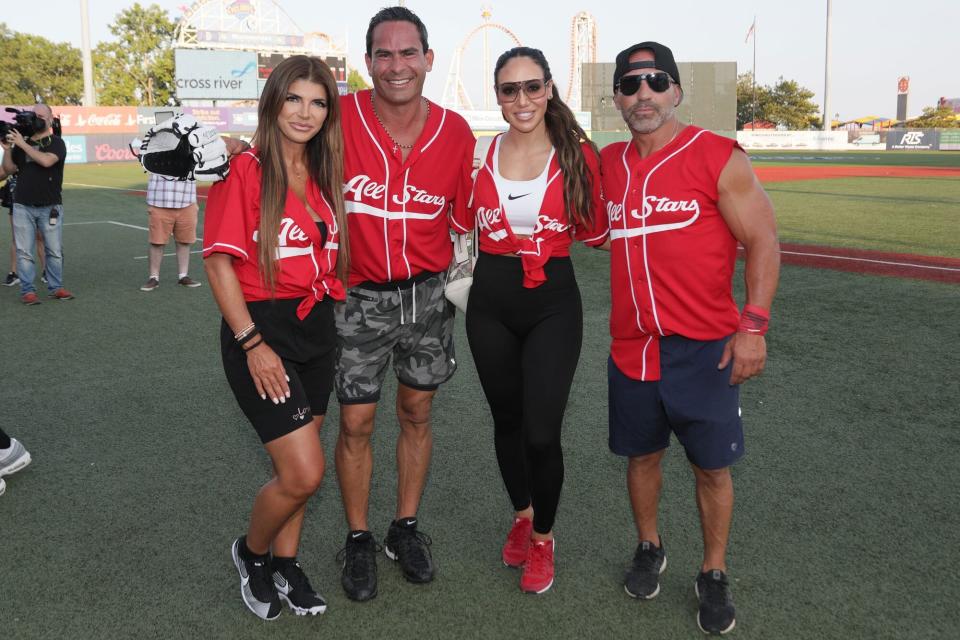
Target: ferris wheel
(454, 93)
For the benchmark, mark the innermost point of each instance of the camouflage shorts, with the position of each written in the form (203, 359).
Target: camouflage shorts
(415, 325)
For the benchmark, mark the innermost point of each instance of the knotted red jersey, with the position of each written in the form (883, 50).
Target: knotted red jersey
(231, 226)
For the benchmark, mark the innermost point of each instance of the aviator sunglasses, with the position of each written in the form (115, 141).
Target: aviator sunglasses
(658, 81)
(510, 91)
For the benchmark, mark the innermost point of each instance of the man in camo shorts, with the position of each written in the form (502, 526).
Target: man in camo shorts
(407, 164)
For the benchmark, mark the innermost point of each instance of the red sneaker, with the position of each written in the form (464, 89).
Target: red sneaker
(61, 294)
(518, 541)
(537, 574)
(29, 298)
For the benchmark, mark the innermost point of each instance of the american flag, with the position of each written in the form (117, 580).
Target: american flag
(751, 31)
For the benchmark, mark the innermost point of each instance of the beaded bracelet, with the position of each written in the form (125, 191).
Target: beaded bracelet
(244, 331)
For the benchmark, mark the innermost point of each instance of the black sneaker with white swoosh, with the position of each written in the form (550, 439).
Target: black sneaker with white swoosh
(256, 584)
(294, 588)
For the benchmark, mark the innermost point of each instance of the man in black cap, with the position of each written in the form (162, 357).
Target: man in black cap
(679, 200)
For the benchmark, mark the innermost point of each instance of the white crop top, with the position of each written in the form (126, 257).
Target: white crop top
(521, 199)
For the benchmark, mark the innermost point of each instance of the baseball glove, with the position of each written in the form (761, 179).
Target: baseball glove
(182, 149)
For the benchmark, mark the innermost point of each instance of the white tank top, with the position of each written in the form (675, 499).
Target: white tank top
(521, 199)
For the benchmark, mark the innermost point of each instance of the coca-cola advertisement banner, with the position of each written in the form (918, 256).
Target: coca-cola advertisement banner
(109, 148)
(93, 120)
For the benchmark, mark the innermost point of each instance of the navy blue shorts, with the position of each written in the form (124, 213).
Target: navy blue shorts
(692, 399)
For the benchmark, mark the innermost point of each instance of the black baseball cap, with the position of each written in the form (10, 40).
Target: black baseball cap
(662, 60)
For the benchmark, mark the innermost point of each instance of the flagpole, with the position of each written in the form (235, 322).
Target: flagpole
(826, 75)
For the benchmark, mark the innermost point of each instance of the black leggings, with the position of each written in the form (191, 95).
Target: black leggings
(526, 343)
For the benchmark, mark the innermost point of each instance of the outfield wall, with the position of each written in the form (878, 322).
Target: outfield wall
(102, 134)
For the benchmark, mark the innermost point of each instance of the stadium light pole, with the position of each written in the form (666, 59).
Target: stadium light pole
(826, 75)
(89, 94)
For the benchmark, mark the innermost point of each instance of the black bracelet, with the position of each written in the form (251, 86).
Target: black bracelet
(253, 346)
(250, 336)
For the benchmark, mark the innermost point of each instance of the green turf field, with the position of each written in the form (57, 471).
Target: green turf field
(896, 158)
(144, 468)
(903, 215)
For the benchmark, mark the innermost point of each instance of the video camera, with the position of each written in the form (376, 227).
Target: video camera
(27, 123)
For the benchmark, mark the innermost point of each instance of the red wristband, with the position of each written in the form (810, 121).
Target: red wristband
(754, 320)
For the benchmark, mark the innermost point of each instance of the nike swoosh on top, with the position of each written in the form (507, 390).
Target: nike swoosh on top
(513, 197)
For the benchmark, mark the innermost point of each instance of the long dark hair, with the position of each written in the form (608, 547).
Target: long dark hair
(566, 135)
(324, 159)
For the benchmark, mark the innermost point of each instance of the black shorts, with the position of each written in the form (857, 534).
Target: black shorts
(308, 349)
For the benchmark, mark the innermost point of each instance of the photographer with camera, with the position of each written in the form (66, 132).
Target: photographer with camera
(33, 151)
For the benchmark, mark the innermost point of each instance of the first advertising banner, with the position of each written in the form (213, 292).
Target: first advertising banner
(215, 75)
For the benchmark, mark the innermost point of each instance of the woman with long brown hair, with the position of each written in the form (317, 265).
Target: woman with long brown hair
(275, 253)
(537, 191)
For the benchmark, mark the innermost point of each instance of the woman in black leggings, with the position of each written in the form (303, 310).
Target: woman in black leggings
(537, 190)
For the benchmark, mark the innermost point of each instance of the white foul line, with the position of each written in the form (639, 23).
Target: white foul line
(888, 262)
(119, 224)
(98, 186)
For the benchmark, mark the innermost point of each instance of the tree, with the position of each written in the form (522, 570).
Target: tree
(34, 66)
(935, 118)
(785, 104)
(745, 106)
(355, 81)
(137, 68)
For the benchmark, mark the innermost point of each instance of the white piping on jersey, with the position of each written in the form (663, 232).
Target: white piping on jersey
(443, 118)
(644, 231)
(386, 191)
(252, 155)
(406, 181)
(229, 246)
(643, 357)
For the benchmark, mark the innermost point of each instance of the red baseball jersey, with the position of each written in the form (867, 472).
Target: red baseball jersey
(551, 233)
(306, 270)
(672, 254)
(400, 211)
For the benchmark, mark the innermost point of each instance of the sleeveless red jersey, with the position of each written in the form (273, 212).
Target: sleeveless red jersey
(672, 254)
(399, 212)
(231, 220)
(551, 234)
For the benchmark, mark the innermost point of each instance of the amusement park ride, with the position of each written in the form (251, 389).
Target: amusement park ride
(583, 48)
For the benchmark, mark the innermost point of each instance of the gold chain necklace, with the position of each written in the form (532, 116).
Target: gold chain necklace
(396, 145)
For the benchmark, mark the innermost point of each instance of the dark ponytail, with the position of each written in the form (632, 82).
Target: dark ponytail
(566, 136)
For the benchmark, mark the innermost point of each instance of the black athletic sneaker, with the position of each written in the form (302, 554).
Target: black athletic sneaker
(11, 280)
(411, 548)
(256, 585)
(716, 614)
(294, 588)
(359, 575)
(643, 577)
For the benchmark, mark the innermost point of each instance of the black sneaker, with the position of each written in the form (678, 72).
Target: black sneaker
(11, 280)
(411, 548)
(256, 584)
(643, 577)
(359, 557)
(716, 614)
(294, 588)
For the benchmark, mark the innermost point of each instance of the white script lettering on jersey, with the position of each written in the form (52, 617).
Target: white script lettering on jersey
(361, 186)
(290, 232)
(652, 204)
(550, 224)
(486, 218)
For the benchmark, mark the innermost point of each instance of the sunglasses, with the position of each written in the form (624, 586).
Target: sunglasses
(510, 91)
(658, 81)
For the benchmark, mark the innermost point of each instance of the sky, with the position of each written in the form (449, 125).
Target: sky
(873, 42)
